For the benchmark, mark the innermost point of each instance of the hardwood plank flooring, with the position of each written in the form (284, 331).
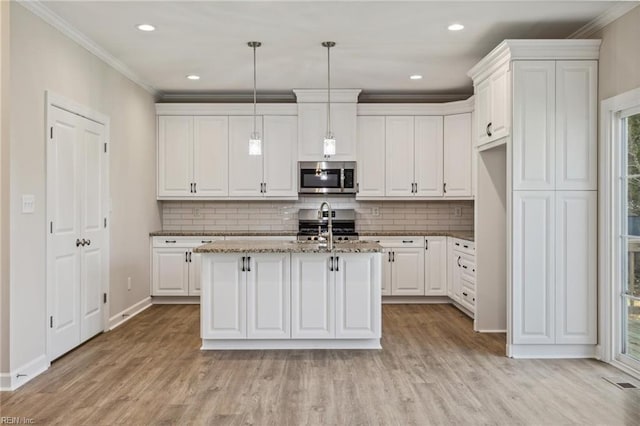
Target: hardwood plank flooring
(433, 369)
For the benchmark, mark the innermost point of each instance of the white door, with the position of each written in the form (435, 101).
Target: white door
(268, 296)
(280, 156)
(399, 156)
(312, 296)
(371, 156)
(576, 267)
(175, 156)
(457, 156)
(576, 125)
(500, 103)
(210, 156)
(428, 156)
(407, 272)
(534, 132)
(533, 271)
(357, 295)
(245, 171)
(224, 291)
(435, 266)
(483, 111)
(170, 271)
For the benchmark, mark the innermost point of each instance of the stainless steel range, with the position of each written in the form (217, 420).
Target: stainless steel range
(312, 222)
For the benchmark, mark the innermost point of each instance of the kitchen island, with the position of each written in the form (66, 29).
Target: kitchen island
(290, 295)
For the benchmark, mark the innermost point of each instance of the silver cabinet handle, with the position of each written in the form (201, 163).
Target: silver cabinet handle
(489, 129)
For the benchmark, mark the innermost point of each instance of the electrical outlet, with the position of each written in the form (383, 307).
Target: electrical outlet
(375, 211)
(28, 203)
(457, 211)
(196, 212)
(129, 283)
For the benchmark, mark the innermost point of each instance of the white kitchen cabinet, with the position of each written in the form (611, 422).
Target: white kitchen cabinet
(245, 171)
(534, 244)
(371, 156)
(462, 282)
(192, 157)
(483, 111)
(225, 298)
(493, 106)
(534, 106)
(268, 296)
(428, 156)
(170, 271)
(576, 278)
(312, 296)
(280, 156)
(400, 158)
(435, 266)
(385, 287)
(407, 275)
(358, 309)
(312, 128)
(458, 181)
(576, 102)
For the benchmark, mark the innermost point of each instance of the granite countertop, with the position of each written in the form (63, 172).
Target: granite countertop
(287, 247)
(223, 234)
(463, 235)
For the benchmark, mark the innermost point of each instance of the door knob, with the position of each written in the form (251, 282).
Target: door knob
(79, 243)
(88, 242)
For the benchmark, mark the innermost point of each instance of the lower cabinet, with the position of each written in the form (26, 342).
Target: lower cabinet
(435, 266)
(312, 296)
(407, 272)
(462, 269)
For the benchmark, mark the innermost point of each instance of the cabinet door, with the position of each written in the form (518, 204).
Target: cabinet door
(435, 266)
(268, 298)
(210, 156)
(483, 111)
(534, 132)
(500, 117)
(533, 272)
(428, 162)
(358, 302)
(371, 156)
(400, 156)
(175, 156)
(386, 272)
(195, 267)
(576, 267)
(576, 125)
(407, 272)
(224, 297)
(280, 156)
(312, 128)
(457, 156)
(245, 171)
(170, 272)
(312, 297)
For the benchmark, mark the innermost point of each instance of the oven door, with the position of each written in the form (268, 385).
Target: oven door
(320, 180)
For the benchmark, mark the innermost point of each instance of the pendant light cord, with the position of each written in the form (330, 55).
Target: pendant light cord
(255, 100)
(328, 89)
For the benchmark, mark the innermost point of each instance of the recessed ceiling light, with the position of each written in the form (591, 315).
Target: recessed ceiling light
(146, 27)
(415, 77)
(193, 77)
(456, 27)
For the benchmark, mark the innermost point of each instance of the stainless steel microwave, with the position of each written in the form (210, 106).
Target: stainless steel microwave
(327, 177)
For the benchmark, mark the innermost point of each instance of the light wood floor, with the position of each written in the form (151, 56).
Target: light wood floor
(433, 370)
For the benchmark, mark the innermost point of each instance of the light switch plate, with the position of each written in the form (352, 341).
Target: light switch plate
(28, 203)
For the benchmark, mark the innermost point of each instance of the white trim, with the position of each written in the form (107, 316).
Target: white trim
(124, 316)
(224, 109)
(416, 300)
(491, 145)
(448, 108)
(626, 368)
(11, 381)
(270, 344)
(601, 21)
(551, 351)
(320, 95)
(175, 300)
(39, 9)
(492, 331)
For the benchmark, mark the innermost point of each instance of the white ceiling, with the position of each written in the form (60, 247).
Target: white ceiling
(379, 43)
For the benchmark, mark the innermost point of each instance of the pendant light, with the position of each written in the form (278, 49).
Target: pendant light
(329, 145)
(255, 142)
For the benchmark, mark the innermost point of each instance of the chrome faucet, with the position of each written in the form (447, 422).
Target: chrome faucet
(329, 233)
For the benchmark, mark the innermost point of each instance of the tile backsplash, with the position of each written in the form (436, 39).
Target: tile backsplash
(283, 215)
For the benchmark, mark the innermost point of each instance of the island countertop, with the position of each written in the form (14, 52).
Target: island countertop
(287, 247)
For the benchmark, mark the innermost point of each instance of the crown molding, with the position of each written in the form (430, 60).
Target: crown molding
(320, 95)
(225, 109)
(446, 108)
(228, 97)
(601, 21)
(43, 12)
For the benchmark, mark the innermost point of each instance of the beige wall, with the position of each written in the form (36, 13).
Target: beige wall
(620, 55)
(44, 59)
(4, 187)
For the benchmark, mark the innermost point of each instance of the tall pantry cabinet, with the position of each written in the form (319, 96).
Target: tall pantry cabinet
(550, 93)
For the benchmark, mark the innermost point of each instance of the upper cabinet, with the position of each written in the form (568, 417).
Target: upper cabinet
(458, 156)
(371, 156)
(493, 106)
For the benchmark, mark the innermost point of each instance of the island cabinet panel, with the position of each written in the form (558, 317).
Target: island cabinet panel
(268, 296)
(223, 299)
(357, 301)
(312, 296)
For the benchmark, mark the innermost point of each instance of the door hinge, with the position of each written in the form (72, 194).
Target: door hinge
(51, 322)
(105, 147)
(104, 297)
(51, 227)
(51, 133)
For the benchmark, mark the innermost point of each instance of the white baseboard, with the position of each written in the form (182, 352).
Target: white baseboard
(175, 300)
(491, 331)
(20, 376)
(418, 300)
(551, 351)
(275, 344)
(124, 316)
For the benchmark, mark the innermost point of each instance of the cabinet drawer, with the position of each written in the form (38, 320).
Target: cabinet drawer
(409, 241)
(188, 242)
(464, 246)
(468, 299)
(467, 265)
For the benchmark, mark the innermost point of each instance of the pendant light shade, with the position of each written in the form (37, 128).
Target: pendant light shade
(255, 141)
(329, 145)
